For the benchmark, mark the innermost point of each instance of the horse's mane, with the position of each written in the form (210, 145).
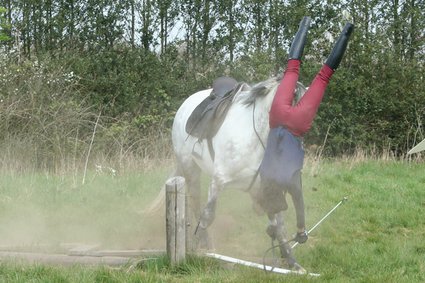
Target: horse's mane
(264, 88)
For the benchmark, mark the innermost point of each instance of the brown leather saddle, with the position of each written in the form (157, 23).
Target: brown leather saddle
(208, 116)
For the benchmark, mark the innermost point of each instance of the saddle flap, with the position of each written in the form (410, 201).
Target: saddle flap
(208, 116)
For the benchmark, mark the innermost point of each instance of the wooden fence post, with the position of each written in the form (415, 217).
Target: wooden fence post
(175, 219)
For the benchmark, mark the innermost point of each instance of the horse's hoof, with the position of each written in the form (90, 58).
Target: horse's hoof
(298, 268)
(291, 264)
(203, 240)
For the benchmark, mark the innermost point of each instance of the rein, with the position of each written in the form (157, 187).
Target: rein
(255, 130)
(262, 144)
(272, 248)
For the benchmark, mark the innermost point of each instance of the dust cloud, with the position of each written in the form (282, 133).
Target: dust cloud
(109, 216)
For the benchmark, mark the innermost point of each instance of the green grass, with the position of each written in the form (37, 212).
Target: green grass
(377, 236)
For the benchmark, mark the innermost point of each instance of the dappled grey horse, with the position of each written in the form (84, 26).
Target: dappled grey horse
(229, 151)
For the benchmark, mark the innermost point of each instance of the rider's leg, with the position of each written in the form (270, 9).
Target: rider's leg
(299, 118)
(285, 91)
(298, 43)
(339, 48)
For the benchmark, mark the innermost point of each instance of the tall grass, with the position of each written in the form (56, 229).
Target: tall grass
(47, 124)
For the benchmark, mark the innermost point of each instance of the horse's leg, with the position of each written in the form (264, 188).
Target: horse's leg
(208, 216)
(276, 230)
(188, 169)
(192, 174)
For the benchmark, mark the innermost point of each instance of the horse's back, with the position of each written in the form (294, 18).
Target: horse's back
(187, 107)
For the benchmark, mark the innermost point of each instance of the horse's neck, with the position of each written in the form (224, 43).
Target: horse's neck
(269, 98)
(262, 108)
(264, 104)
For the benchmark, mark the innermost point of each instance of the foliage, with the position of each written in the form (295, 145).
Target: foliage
(39, 111)
(136, 61)
(4, 26)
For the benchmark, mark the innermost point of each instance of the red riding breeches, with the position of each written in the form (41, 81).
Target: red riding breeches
(298, 118)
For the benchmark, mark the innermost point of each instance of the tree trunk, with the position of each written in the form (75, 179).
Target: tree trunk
(132, 27)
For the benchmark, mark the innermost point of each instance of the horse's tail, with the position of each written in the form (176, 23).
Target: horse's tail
(159, 201)
(156, 204)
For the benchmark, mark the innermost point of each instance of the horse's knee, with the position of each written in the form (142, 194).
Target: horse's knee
(272, 231)
(276, 232)
(207, 219)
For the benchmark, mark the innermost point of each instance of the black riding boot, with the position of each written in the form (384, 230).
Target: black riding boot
(339, 48)
(297, 46)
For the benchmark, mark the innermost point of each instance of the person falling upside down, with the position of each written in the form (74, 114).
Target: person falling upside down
(280, 169)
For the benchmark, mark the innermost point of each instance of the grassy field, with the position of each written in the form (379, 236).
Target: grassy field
(377, 236)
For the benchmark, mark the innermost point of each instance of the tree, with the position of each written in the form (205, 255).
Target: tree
(146, 14)
(4, 25)
(230, 31)
(257, 25)
(167, 15)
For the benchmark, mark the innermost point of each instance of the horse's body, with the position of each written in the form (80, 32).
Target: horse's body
(238, 149)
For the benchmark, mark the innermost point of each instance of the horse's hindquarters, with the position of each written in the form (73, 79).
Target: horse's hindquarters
(182, 142)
